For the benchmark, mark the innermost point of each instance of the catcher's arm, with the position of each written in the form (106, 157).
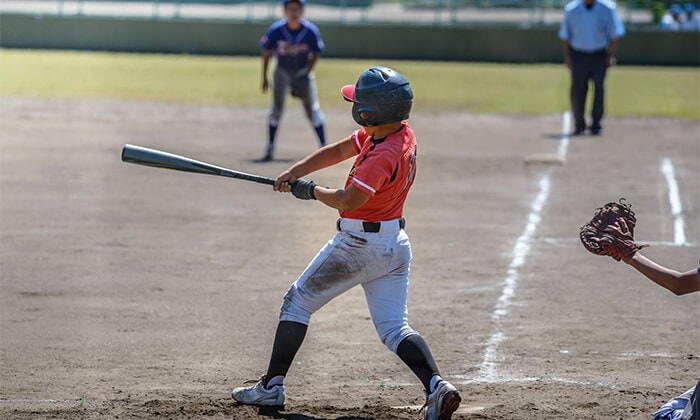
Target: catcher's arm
(672, 280)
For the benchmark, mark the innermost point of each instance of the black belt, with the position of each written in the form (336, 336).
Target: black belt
(601, 51)
(373, 227)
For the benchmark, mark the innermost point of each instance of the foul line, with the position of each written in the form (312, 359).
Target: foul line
(565, 130)
(675, 201)
(487, 369)
(572, 239)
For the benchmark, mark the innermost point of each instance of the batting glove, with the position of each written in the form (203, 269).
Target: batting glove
(303, 189)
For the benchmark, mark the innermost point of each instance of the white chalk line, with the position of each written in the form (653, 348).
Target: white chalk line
(487, 368)
(674, 200)
(543, 378)
(466, 380)
(38, 401)
(565, 130)
(463, 409)
(575, 239)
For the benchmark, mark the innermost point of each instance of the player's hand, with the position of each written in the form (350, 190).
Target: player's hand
(265, 84)
(284, 182)
(567, 62)
(612, 61)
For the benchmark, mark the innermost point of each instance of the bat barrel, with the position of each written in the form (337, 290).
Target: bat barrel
(159, 159)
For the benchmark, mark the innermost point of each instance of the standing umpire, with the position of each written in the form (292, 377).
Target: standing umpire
(590, 30)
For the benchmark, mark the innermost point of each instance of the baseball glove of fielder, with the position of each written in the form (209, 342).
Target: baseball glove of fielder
(300, 86)
(611, 231)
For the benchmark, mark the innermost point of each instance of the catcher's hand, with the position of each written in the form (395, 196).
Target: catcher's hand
(611, 231)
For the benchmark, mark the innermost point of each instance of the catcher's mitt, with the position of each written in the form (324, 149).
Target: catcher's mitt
(611, 231)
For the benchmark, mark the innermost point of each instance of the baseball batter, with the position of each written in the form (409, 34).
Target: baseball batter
(371, 248)
(297, 45)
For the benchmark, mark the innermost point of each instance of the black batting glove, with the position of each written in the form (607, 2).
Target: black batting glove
(303, 189)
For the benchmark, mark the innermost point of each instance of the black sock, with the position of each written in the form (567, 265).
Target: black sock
(271, 133)
(288, 339)
(414, 352)
(321, 132)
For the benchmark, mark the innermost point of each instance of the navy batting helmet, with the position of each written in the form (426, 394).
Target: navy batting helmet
(380, 96)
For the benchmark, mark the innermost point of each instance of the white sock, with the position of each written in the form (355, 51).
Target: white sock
(277, 380)
(434, 381)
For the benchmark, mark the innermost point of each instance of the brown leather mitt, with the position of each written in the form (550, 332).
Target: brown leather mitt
(611, 231)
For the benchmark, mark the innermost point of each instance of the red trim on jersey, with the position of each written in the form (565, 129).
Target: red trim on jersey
(384, 169)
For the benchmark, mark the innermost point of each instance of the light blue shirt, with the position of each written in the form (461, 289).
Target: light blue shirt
(591, 29)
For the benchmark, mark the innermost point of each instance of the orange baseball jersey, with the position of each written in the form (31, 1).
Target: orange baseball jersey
(385, 169)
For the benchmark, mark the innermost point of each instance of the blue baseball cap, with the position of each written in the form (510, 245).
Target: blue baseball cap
(676, 9)
(689, 7)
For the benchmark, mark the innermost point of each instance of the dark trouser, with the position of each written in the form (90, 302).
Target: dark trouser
(585, 67)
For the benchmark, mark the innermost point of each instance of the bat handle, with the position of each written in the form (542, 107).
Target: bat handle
(248, 177)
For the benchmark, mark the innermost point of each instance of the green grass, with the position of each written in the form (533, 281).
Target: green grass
(438, 86)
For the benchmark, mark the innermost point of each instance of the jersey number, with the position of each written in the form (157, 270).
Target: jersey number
(412, 167)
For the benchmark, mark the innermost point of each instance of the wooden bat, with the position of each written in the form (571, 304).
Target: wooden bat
(159, 159)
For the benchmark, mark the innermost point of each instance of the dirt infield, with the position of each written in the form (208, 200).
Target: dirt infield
(139, 293)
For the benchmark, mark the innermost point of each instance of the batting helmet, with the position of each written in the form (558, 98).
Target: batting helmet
(380, 96)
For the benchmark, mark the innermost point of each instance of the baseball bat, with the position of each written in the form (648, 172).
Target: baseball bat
(159, 159)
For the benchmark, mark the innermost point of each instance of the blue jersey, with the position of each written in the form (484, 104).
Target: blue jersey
(292, 48)
(590, 29)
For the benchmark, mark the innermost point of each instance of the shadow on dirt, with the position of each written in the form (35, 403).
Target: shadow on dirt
(276, 414)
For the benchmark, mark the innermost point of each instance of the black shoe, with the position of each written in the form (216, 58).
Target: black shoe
(596, 131)
(578, 132)
(268, 153)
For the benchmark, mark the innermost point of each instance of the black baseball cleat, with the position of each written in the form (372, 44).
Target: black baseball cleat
(268, 153)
